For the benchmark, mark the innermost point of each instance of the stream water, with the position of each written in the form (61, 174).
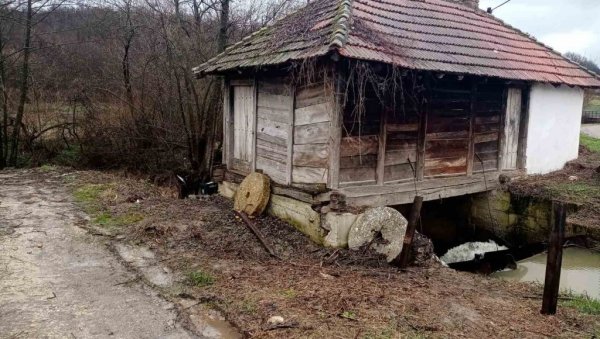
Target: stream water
(580, 271)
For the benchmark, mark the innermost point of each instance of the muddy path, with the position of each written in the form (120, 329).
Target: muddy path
(58, 280)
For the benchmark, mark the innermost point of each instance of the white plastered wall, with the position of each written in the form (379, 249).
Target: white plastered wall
(554, 127)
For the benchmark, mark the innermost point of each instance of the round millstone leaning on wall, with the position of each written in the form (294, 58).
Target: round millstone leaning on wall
(385, 222)
(252, 197)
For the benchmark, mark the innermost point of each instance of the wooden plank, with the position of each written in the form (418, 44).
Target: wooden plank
(309, 175)
(524, 130)
(486, 137)
(253, 124)
(511, 127)
(502, 132)
(227, 124)
(311, 155)
(240, 165)
(311, 134)
(357, 174)
(402, 128)
(397, 157)
(399, 172)
(275, 86)
(353, 146)
(431, 189)
(272, 128)
(313, 95)
(278, 148)
(312, 114)
(281, 102)
(422, 139)
(472, 122)
(274, 169)
(381, 151)
(273, 114)
(271, 139)
(335, 126)
(267, 154)
(359, 161)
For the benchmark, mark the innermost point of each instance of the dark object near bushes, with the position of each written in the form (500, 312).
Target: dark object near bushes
(192, 185)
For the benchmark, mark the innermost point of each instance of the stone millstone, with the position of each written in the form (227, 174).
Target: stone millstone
(385, 222)
(253, 195)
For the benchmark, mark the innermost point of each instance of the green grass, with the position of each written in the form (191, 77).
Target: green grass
(108, 220)
(575, 191)
(590, 143)
(583, 304)
(593, 105)
(89, 196)
(199, 278)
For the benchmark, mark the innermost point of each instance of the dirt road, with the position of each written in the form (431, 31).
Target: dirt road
(593, 130)
(57, 280)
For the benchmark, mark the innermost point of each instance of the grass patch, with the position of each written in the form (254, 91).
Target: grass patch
(583, 304)
(289, 293)
(199, 278)
(575, 191)
(590, 143)
(47, 168)
(106, 219)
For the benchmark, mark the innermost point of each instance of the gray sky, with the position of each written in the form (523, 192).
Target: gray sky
(565, 25)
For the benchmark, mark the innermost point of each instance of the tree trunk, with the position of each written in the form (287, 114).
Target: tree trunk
(130, 32)
(224, 24)
(24, 87)
(3, 105)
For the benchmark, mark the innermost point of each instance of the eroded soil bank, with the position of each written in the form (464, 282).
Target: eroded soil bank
(218, 264)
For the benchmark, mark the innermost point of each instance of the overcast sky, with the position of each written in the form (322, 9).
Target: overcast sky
(565, 25)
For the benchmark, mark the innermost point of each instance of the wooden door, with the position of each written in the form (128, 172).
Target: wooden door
(511, 129)
(243, 123)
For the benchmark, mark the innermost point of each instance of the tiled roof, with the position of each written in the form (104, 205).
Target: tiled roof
(434, 35)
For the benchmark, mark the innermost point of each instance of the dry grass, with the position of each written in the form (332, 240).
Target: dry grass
(323, 293)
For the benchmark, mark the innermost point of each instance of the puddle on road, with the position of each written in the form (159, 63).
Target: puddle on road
(580, 271)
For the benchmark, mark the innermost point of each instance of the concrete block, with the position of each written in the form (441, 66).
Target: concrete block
(299, 214)
(339, 225)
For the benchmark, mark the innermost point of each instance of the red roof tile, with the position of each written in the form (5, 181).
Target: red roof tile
(433, 35)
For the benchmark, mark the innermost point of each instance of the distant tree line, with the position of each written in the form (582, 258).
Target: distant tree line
(108, 84)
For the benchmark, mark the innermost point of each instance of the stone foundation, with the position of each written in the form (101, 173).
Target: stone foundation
(518, 220)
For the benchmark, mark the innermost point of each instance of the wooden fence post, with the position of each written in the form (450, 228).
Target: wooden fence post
(554, 261)
(413, 220)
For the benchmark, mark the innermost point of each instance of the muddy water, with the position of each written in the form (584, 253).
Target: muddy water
(580, 271)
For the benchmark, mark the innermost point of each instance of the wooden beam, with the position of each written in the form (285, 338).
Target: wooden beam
(228, 124)
(471, 155)
(523, 129)
(335, 127)
(290, 139)
(423, 131)
(502, 136)
(382, 147)
(554, 261)
(413, 220)
(254, 122)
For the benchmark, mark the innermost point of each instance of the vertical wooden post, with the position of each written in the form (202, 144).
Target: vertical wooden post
(290, 140)
(381, 150)
(254, 124)
(471, 155)
(413, 220)
(422, 143)
(335, 127)
(554, 261)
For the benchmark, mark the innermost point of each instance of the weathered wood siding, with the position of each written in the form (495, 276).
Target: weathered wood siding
(312, 116)
(511, 127)
(402, 135)
(273, 126)
(360, 143)
(448, 128)
(488, 110)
